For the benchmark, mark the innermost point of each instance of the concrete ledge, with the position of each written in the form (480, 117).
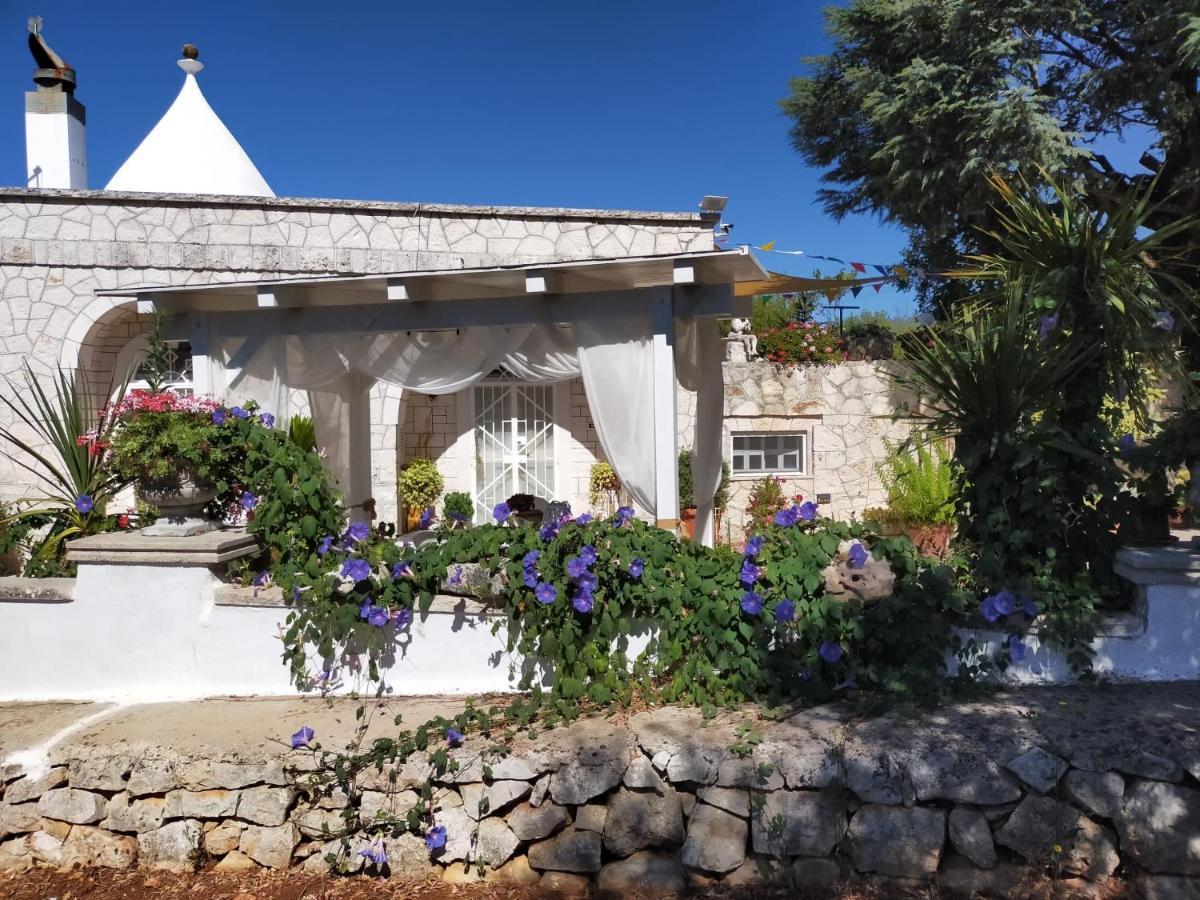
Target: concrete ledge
(272, 597)
(132, 548)
(1168, 564)
(15, 589)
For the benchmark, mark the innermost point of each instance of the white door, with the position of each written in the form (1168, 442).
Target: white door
(514, 444)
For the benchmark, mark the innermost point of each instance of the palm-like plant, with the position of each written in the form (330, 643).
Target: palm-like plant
(60, 439)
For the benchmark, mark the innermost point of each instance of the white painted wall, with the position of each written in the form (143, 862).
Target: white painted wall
(55, 143)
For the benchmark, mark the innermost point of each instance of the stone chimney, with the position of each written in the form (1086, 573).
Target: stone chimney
(55, 122)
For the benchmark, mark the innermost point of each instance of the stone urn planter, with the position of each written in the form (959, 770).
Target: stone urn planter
(180, 501)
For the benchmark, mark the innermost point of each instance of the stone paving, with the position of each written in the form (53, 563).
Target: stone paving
(1086, 781)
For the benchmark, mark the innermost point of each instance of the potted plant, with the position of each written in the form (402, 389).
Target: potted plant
(921, 491)
(169, 446)
(458, 509)
(687, 499)
(603, 486)
(524, 506)
(766, 499)
(420, 485)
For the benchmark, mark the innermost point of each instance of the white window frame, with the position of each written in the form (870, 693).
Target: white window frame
(805, 450)
(131, 357)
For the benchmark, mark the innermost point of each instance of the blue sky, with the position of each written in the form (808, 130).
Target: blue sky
(620, 104)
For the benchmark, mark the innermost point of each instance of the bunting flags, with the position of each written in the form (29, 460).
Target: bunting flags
(890, 272)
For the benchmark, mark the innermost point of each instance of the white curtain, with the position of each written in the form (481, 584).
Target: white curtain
(617, 363)
(613, 353)
(698, 354)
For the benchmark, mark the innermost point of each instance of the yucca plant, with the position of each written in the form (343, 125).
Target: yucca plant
(58, 437)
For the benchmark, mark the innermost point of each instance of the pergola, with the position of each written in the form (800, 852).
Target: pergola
(631, 327)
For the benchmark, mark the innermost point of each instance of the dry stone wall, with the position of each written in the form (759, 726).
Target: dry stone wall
(978, 798)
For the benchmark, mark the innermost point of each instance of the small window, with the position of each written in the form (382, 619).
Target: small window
(769, 454)
(178, 369)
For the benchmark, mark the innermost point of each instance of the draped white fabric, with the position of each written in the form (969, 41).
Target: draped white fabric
(698, 355)
(616, 359)
(613, 353)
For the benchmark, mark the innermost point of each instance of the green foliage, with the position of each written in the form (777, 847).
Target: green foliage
(687, 499)
(704, 647)
(721, 497)
(920, 484)
(766, 499)
(603, 483)
(458, 506)
(155, 364)
(799, 343)
(420, 483)
(918, 102)
(158, 446)
(303, 433)
(62, 441)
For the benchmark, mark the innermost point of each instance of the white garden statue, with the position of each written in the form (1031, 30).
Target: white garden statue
(740, 329)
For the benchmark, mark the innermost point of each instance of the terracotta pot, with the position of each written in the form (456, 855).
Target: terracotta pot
(930, 540)
(412, 518)
(180, 500)
(687, 522)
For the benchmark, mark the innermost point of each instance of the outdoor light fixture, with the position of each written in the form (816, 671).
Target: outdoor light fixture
(711, 203)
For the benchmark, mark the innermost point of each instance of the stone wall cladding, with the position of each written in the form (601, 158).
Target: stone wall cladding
(663, 802)
(57, 248)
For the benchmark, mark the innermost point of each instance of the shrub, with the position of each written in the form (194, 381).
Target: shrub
(687, 499)
(420, 483)
(800, 343)
(157, 436)
(603, 484)
(458, 507)
(920, 484)
(766, 499)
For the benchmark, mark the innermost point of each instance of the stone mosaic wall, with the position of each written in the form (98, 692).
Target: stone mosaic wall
(58, 247)
(979, 798)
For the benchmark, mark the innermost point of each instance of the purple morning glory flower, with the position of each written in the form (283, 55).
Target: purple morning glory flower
(785, 611)
(754, 546)
(1005, 602)
(624, 515)
(435, 838)
(302, 738)
(501, 513)
(583, 602)
(402, 569)
(218, 417)
(372, 614)
(545, 593)
(238, 413)
(1016, 648)
(1029, 606)
(787, 517)
(248, 501)
(576, 567)
(375, 852)
(261, 580)
(402, 618)
(587, 581)
(456, 578)
(987, 609)
(1046, 326)
(1164, 320)
(548, 532)
(426, 517)
(752, 603)
(807, 511)
(858, 556)
(84, 503)
(359, 531)
(454, 737)
(356, 569)
(585, 519)
(830, 652)
(267, 420)
(324, 545)
(531, 578)
(588, 554)
(530, 559)
(637, 567)
(750, 573)
(1127, 443)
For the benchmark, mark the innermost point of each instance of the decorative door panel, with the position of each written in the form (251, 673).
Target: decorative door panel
(514, 444)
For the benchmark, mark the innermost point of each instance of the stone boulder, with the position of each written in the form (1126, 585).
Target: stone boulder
(647, 873)
(99, 772)
(265, 805)
(638, 820)
(568, 851)
(72, 805)
(1159, 826)
(1042, 829)
(31, 787)
(593, 756)
(152, 775)
(530, 823)
(270, 847)
(483, 800)
(1099, 793)
(874, 581)
(1038, 768)
(87, 846)
(716, 840)
(18, 818)
(901, 842)
(971, 836)
(130, 815)
(472, 580)
(173, 847)
(798, 823)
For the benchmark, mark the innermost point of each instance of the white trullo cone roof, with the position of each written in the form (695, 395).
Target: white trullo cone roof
(190, 151)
